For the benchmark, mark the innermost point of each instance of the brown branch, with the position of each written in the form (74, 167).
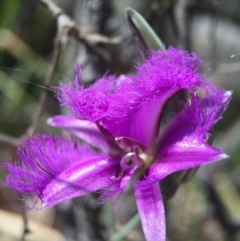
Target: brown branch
(179, 17)
(66, 27)
(55, 58)
(85, 35)
(55, 10)
(9, 140)
(26, 230)
(59, 40)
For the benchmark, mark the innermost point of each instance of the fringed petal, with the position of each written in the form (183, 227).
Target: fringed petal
(93, 103)
(183, 142)
(169, 69)
(164, 74)
(131, 106)
(56, 169)
(151, 211)
(194, 123)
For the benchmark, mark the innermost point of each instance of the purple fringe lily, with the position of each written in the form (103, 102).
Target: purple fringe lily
(120, 118)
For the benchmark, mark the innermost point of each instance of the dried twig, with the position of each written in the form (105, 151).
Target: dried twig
(179, 17)
(60, 39)
(83, 221)
(56, 11)
(86, 35)
(66, 27)
(56, 54)
(9, 140)
(25, 224)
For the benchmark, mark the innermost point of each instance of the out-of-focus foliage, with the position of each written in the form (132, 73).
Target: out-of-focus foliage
(208, 207)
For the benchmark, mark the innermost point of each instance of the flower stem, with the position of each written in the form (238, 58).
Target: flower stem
(109, 217)
(131, 224)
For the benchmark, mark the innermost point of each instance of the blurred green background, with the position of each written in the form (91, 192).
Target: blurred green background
(208, 207)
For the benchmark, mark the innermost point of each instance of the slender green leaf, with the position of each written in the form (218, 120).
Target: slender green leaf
(143, 30)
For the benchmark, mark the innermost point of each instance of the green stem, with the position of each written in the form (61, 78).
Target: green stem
(109, 217)
(131, 224)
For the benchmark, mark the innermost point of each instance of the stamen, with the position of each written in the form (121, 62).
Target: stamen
(126, 142)
(146, 159)
(128, 161)
(119, 177)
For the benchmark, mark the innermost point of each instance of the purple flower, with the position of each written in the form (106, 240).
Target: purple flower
(120, 118)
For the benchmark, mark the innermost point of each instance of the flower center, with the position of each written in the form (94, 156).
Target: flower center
(129, 144)
(146, 159)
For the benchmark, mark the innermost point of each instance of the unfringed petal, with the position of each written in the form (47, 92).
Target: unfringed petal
(86, 131)
(83, 178)
(142, 120)
(151, 211)
(56, 169)
(183, 156)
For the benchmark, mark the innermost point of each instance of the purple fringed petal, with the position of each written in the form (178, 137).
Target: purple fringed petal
(166, 70)
(193, 123)
(56, 169)
(151, 211)
(164, 74)
(131, 106)
(86, 131)
(95, 102)
(183, 142)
